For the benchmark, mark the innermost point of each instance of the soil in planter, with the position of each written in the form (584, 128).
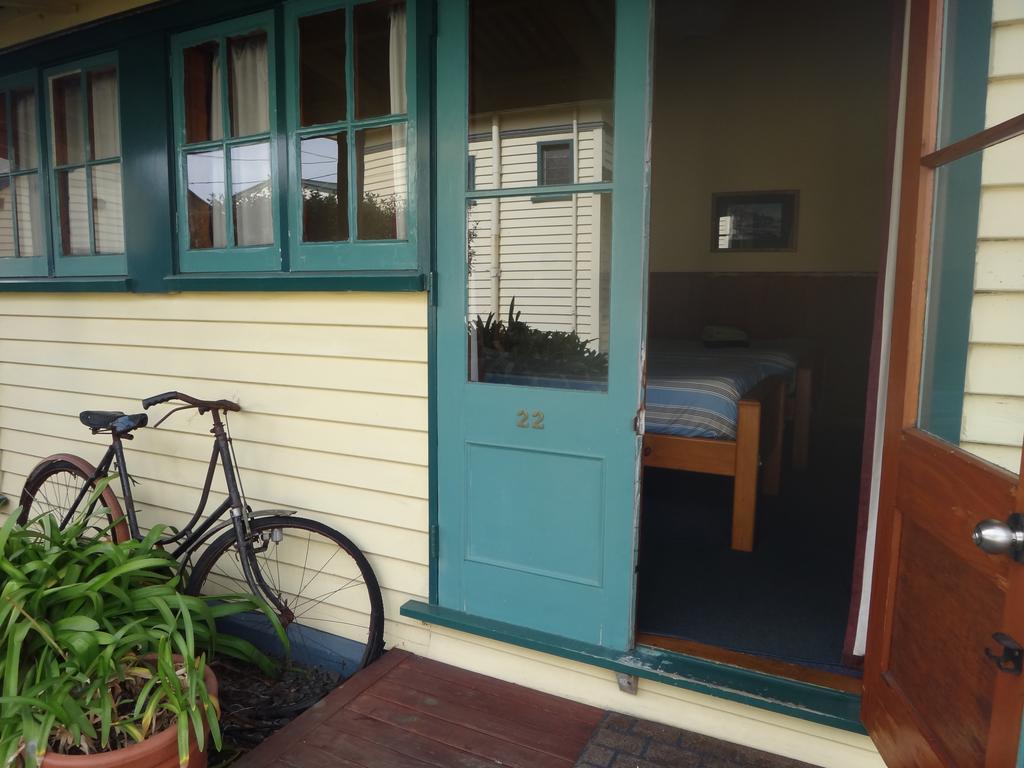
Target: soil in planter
(253, 706)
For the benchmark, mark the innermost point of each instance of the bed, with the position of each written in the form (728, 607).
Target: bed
(723, 411)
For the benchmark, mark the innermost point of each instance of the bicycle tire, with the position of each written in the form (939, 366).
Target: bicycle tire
(323, 638)
(54, 484)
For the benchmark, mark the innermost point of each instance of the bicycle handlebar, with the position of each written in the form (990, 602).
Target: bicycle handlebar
(202, 405)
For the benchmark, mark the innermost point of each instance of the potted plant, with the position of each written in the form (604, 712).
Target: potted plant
(102, 659)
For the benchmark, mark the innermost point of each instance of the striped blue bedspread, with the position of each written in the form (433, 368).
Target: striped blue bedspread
(693, 391)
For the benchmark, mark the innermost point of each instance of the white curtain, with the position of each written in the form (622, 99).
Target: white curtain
(106, 141)
(250, 164)
(398, 45)
(26, 147)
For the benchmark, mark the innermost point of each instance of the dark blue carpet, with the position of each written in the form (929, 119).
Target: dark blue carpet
(788, 599)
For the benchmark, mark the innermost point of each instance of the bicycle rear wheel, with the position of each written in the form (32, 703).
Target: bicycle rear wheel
(55, 486)
(333, 613)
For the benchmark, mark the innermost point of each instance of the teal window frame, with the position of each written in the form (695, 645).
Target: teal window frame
(232, 258)
(353, 254)
(27, 266)
(94, 264)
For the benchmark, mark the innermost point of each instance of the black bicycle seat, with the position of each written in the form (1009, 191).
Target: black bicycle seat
(115, 421)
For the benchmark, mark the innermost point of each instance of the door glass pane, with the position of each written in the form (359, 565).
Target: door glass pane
(248, 84)
(207, 221)
(5, 154)
(324, 188)
(973, 368)
(382, 188)
(6, 219)
(24, 136)
(107, 216)
(538, 283)
(982, 67)
(251, 196)
(322, 68)
(66, 98)
(540, 72)
(74, 212)
(30, 216)
(380, 58)
(104, 135)
(204, 117)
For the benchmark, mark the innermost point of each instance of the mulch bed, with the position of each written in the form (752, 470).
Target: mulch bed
(253, 706)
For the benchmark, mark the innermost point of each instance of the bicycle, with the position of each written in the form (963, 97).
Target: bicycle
(267, 553)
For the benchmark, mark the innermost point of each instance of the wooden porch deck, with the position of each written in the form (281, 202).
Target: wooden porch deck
(408, 712)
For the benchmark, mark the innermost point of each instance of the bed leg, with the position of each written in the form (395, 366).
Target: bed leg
(744, 497)
(802, 418)
(774, 422)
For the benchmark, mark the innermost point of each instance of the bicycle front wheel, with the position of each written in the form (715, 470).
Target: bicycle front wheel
(319, 584)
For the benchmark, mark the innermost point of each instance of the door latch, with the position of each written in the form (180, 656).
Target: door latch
(1012, 658)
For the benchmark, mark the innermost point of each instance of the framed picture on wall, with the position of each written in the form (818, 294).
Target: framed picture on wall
(753, 221)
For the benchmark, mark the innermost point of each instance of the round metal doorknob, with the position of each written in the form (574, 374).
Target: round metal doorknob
(997, 538)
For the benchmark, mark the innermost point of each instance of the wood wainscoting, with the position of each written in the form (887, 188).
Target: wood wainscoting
(832, 311)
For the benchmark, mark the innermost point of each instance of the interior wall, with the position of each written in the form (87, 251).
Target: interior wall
(771, 95)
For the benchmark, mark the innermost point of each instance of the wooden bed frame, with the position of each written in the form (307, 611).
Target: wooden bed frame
(758, 445)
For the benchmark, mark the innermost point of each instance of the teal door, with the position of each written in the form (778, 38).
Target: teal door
(542, 169)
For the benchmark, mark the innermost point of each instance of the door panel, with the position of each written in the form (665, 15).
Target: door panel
(541, 257)
(933, 694)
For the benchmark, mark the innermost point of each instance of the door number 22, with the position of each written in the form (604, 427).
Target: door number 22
(523, 419)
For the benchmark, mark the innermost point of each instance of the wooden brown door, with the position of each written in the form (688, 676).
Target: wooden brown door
(933, 695)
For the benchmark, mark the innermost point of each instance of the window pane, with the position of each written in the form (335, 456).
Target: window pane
(6, 219)
(536, 68)
(66, 103)
(5, 155)
(30, 216)
(322, 68)
(380, 36)
(107, 214)
(204, 116)
(381, 183)
(531, 320)
(104, 134)
(972, 393)
(324, 188)
(25, 137)
(251, 194)
(248, 84)
(207, 219)
(555, 164)
(74, 213)
(981, 67)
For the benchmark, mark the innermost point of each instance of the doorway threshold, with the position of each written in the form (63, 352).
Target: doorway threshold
(807, 701)
(776, 667)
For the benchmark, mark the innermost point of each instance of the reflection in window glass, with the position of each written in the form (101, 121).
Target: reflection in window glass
(381, 183)
(538, 290)
(66, 107)
(974, 334)
(207, 220)
(24, 136)
(380, 59)
(104, 136)
(204, 118)
(248, 85)
(324, 162)
(5, 155)
(540, 71)
(251, 194)
(107, 215)
(554, 163)
(973, 52)
(322, 68)
(30, 216)
(72, 202)
(6, 219)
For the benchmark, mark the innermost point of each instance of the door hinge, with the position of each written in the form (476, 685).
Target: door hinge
(1011, 658)
(430, 282)
(433, 545)
(638, 421)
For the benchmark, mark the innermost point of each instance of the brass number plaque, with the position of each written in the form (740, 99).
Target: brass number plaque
(523, 420)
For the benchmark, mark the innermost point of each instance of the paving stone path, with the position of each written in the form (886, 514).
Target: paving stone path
(620, 741)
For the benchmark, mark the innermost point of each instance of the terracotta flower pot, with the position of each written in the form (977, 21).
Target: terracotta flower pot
(159, 751)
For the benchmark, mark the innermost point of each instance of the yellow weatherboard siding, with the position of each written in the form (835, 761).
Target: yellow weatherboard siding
(333, 389)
